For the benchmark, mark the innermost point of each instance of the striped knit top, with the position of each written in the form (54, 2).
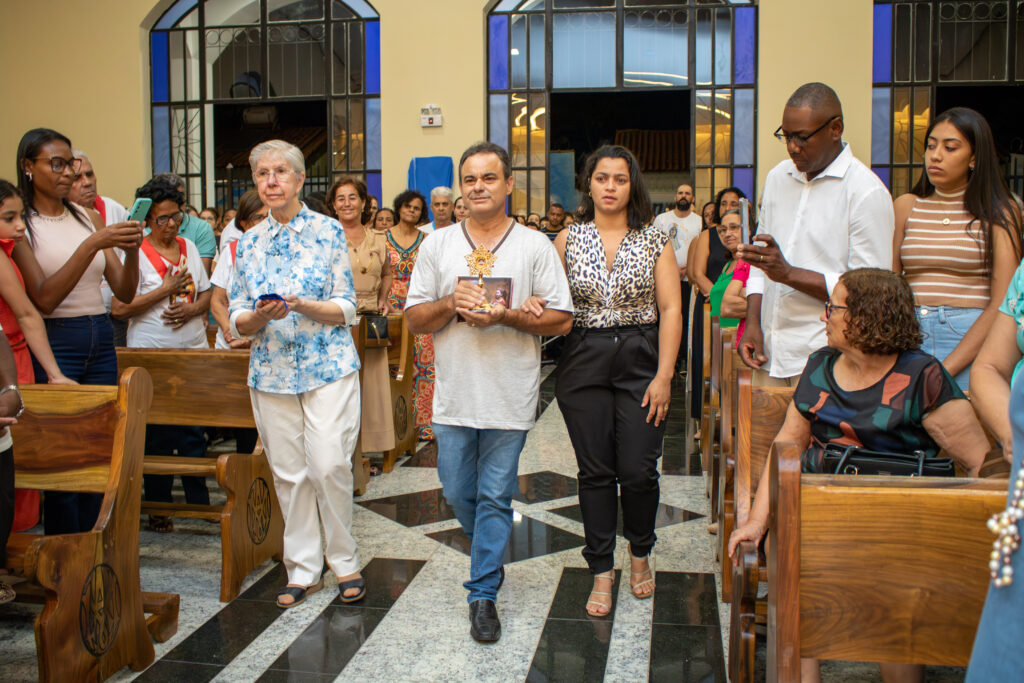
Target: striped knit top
(943, 260)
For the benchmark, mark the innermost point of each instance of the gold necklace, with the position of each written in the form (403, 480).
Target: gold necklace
(355, 250)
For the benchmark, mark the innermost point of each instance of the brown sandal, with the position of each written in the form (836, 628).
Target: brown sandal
(6, 593)
(610, 576)
(160, 524)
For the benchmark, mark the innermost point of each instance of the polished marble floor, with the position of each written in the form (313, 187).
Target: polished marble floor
(413, 624)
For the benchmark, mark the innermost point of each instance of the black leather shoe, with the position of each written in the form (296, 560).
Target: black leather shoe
(483, 621)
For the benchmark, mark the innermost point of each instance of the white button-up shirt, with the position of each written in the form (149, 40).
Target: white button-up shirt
(840, 220)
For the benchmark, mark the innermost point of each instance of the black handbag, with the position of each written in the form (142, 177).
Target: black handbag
(839, 459)
(375, 331)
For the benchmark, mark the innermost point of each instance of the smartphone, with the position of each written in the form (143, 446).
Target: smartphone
(140, 209)
(269, 297)
(745, 218)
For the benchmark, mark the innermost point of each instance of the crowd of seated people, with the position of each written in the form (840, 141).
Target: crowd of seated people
(857, 301)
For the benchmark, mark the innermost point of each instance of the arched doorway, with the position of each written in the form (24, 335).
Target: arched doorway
(563, 76)
(227, 74)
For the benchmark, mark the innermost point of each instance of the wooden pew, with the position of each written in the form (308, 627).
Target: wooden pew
(705, 393)
(88, 439)
(877, 569)
(207, 388)
(760, 412)
(725, 501)
(721, 339)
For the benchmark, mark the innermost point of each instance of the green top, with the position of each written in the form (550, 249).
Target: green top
(716, 296)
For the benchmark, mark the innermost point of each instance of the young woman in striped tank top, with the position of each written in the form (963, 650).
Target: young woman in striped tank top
(957, 239)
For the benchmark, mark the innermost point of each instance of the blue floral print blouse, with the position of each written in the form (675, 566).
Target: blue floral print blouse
(308, 257)
(1013, 306)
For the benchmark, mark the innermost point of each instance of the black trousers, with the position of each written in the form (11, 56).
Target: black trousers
(189, 442)
(601, 382)
(6, 500)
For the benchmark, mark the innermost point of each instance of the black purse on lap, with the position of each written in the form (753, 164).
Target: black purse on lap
(839, 459)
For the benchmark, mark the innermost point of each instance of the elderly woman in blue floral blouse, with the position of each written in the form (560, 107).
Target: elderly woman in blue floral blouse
(293, 295)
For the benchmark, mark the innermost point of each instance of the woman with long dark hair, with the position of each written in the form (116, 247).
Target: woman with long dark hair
(709, 259)
(615, 375)
(957, 238)
(69, 252)
(404, 241)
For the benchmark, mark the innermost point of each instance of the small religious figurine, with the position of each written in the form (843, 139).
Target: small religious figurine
(481, 262)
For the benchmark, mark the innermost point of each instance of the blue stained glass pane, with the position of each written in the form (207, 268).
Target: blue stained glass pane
(373, 133)
(175, 13)
(883, 173)
(158, 62)
(373, 58)
(538, 56)
(499, 120)
(361, 8)
(880, 121)
(703, 47)
(744, 46)
(498, 48)
(743, 178)
(723, 46)
(583, 55)
(161, 140)
(373, 186)
(743, 126)
(881, 63)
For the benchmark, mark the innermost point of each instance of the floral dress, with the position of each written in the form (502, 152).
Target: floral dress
(402, 262)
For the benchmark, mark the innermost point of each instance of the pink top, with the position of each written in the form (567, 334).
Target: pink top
(54, 240)
(741, 272)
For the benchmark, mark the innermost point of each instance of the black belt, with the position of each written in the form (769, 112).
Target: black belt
(617, 329)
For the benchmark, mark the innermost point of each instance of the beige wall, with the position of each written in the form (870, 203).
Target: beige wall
(813, 40)
(432, 52)
(79, 67)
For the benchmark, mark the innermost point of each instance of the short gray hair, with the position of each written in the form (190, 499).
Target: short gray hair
(79, 154)
(172, 178)
(291, 154)
(441, 191)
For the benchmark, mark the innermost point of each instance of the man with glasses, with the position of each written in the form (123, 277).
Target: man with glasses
(823, 213)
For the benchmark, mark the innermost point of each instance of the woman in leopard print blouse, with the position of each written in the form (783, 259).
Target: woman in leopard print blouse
(613, 384)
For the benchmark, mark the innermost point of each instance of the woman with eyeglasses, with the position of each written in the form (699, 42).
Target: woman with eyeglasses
(871, 387)
(957, 239)
(68, 253)
(168, 312)
(730, 234)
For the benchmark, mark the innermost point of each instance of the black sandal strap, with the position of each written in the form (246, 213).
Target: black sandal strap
(359, 583)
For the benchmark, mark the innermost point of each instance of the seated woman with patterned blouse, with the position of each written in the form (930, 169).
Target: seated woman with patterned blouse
(872, 387)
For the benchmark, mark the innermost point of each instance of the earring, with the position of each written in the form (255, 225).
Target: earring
(29, 174)
(971, 167)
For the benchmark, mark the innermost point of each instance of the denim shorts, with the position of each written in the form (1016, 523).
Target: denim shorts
(943, 327)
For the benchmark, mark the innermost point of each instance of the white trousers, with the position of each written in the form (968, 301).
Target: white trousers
(309, 439)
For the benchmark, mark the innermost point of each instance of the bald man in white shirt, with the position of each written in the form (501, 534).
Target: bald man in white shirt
(823, 213)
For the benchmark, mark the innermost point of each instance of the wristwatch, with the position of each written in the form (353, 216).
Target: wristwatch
(14, 388)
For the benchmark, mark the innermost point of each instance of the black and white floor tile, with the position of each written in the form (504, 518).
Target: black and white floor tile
(413, 624)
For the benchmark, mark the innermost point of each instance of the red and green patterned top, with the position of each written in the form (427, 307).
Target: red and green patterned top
(402, 262)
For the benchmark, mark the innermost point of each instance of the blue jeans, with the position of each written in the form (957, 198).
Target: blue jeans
(478, 469)
(943, 327)
(84, 349)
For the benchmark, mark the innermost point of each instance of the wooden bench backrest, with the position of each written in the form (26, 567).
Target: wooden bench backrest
(759, 416)
(77, 438)
(730, 366)
(202, 387)
(876, 568)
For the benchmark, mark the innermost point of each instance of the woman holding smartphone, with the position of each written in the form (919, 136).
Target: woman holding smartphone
(68, 253)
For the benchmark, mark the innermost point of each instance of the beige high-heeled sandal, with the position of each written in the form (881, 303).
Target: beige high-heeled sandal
(637, 588)
(610, 576)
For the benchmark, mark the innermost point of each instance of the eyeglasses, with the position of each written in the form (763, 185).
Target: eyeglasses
(263, 175)
(163, 221)
(58, 164)
(257, 218)
(801, 140)
(831, 308)
(724, 229)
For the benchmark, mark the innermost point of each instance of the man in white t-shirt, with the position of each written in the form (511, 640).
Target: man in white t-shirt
(682, 225)
(487, 362)
(441, 205)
